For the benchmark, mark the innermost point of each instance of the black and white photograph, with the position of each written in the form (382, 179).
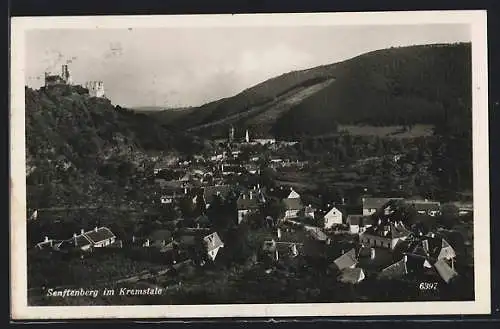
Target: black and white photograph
(250, 165)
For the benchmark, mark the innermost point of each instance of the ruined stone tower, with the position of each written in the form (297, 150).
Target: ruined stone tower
(96, 88)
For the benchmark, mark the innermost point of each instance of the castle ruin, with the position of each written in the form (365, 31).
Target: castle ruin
(54, 79)
(95, 88)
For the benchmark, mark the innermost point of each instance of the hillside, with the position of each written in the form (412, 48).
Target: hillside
(427, 84)
(163, 115)
(76, 144)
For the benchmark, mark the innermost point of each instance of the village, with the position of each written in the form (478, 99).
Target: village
(203, 200)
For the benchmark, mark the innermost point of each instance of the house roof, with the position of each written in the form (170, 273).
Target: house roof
(422, 205)
(293, 194)
(398, 230)
(377, 203)
(445, 271)
(332, 212)
(317, 233)
(351, 275)
(100, 234)
(309, 209)
(293, 204)
(185, 178)
(213, 241)
(397, 269)
(447, 250)
(346, 260)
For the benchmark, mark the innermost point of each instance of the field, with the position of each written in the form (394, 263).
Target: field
(419, 130)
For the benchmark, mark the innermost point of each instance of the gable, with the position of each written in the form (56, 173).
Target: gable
(293, 195)
(334, 212)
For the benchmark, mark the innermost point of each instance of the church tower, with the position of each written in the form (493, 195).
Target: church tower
(247, 137)
(231, 134)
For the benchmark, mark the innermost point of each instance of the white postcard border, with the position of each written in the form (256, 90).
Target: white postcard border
(481, 305)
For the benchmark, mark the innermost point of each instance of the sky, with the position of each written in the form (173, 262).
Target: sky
(190, 66)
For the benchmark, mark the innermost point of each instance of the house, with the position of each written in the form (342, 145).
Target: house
(246, 205)
(292, 207)
(333, 217)
(99, 237)
(211, 192)
(352, 275)
(230, 169)
(396, 270)
(384, 236)
(358, 223)
(276, 163)
(185, 178)
(293, 194)
(316, 233)
(309, 211)
(283, 250)
(212, 244)
(252, 169)
(48, 244)
(34, 215)
(445, 271)
(433, 248)
(346, 260)
(425, 207)
(372, 205)
(265, 141)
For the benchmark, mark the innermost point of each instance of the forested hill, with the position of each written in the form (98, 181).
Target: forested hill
(419, 84)
(75, 142)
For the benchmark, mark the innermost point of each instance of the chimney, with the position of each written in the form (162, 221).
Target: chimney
(146, 244)
(406, 258)
(278, 233)
(46, 239)
(133, 238)
(433, 235)
(258, 186)
(185, 190)
(244, 196)
(95, 229)
(251, 195)
(82, 231)
(372, 253)
(328, 241)
(74, 239)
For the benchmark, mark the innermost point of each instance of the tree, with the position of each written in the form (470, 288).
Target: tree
(275, 208)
